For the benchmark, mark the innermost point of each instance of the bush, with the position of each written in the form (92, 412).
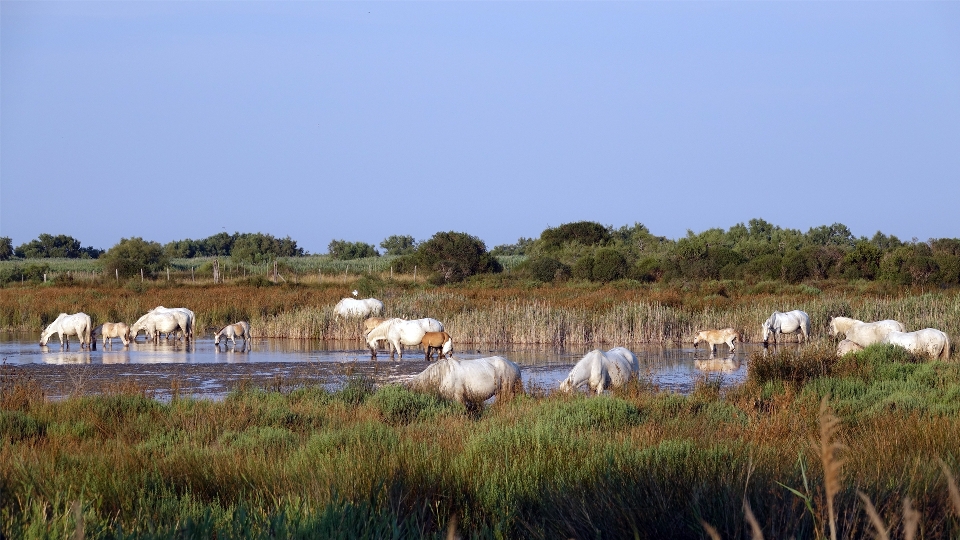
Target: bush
(346, 251)
(6, 248)
(454, 256)
(546, 269)
(608, 265)
(583, 268)
(399, 245)
(587, 233)
(131, 255)
(399, 405)
(793, 269)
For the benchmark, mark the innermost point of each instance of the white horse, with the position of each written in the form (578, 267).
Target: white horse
(78, 324)
(183, 315)
(863, 333)
(353, 308)
(471, 382)
(232, 332)
(154, 324)
(397, 332)
(111, 330)
(602, 370)
(929, 341)
(716, 337)
(728, 364)
(846, 347)
(787, 323)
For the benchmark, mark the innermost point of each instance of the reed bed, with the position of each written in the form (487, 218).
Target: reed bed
(362, 462)
(558, 316)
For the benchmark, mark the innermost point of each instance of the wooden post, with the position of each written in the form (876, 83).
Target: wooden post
(192, 277)
(414, 273)
(216, 269)
(168, 273)
(44, 277)
(275, 271)
(141, 275)
(116, 272)
(391, 271)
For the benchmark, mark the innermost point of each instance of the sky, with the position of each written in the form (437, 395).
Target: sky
(357, 121)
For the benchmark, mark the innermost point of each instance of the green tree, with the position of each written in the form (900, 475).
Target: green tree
(546, 269)
(345, 251)
(398, 245)
(6, 248)
(587, 233)
(60, 246)
(454, 256)
(130, 255)
(259, 247)
(519, 248)
(863, 261)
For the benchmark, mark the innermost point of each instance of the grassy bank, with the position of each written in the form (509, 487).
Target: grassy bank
(390, 463)
(498, 310)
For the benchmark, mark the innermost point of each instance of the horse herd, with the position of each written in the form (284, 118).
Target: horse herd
(171, 322)
(474, 381)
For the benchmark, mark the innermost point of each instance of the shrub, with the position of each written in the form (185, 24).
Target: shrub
(587, 233)
(608, 265)
(399, 405)
(399, 245)
(454, 256)
(583, 268)
(6, 248)
(345, 251)
(131, 255)
(793, 269)
(546, 269)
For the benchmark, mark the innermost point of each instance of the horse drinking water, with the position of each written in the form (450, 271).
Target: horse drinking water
(78, 324)
(787, 323)
(232, 332)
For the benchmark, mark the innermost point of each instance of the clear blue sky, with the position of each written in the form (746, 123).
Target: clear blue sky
(361, 120)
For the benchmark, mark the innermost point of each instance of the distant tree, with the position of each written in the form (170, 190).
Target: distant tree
(60, 246)
(182, 249)
(519, 248)
(398, 245)
(6, 248)
(863, 261)
(454, 256)
(259, 247)
(835, 235)
(587, 233)
(219, 244)
(345, 251)
(132, 254)
(885, 242)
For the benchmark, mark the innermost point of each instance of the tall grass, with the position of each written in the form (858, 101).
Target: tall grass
(560, 316)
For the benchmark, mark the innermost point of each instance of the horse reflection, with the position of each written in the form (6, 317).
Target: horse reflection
(727, 364)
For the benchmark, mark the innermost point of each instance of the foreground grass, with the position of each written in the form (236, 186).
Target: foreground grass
(391, 463)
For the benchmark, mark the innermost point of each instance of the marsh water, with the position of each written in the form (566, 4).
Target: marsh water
(202, 369)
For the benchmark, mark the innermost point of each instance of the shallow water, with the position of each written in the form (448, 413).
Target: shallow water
(204, 370)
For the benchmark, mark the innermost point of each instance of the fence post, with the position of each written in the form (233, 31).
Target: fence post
(116, 273)
(141, 275)
(414, 273)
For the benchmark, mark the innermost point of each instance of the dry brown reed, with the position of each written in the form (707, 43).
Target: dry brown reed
(880, 528)
(559, 316)
(951, 487)
(828, 448)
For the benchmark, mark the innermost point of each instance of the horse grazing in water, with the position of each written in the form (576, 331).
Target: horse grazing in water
(929, 341)
(846, 347)
(78, 324)
(471, 382)
(351, 308)
(602, 370)
(184, 316)
(232, 332)
(110, 330)
(153, 324)
(716, 337)
(787, 323)
(863, 333)
(400, 332)
(436, 341)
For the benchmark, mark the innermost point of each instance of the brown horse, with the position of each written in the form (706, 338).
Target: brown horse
(111, 330)
(371, 323)
(439, 341)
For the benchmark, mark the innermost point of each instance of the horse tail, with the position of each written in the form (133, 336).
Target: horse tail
(945, 353)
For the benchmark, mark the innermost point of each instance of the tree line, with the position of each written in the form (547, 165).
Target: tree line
(584, 250)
